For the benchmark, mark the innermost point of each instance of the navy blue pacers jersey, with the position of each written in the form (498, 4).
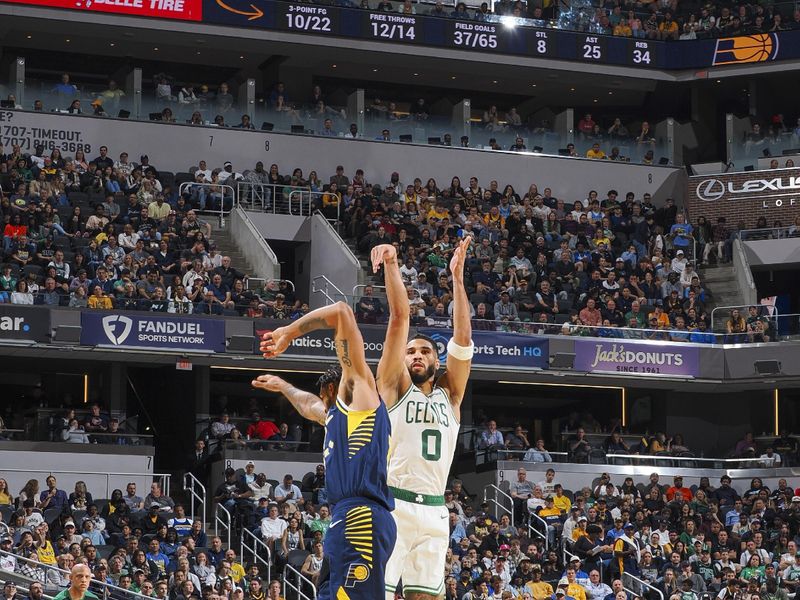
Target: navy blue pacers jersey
(357, 454)
(362, 532)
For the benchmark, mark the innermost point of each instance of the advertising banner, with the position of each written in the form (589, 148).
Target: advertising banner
(24, 323)
(151, 331)
(615, 356)
(184, 10)
(498, 349)
(320, 343)
(745, 196)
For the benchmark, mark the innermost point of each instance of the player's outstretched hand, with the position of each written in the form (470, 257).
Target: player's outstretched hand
(270, 383)
(274, 343)
(460, 257)
(381, 254)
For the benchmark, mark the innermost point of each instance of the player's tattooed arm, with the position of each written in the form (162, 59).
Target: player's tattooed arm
(343, 352)
(309, 405)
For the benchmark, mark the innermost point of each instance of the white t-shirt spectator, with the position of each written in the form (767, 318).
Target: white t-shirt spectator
(409, 274)
(273, 528)
(770, 461)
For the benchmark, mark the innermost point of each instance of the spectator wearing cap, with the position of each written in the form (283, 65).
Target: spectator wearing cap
(232, 492)
(552, 516)
(561, 591)
(679, 263)
(540, 590)
(686, 591)
(8, 562)
(571, 523)
(626, 551)
(10, 591)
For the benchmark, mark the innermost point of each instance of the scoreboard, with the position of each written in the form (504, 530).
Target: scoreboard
(500, 35)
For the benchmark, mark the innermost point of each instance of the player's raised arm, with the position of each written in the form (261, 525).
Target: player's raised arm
(310, 406)
(349, 348)
(393, 377)
(460, 347)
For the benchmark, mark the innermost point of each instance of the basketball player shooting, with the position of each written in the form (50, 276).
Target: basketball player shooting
(357, 431)
(425, 412)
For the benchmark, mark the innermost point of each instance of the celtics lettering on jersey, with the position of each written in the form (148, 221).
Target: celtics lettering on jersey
(424, 437)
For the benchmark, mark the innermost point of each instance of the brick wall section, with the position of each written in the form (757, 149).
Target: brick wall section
(749, 210)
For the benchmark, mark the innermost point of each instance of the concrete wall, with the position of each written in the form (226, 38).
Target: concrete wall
(282, 227)
(744, 277)
(101, 467)
(253, 245)
(773, 253)
(331, 257)
(574, 477)
(178, 147)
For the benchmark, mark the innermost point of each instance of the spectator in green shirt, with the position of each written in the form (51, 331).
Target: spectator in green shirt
(79, 578)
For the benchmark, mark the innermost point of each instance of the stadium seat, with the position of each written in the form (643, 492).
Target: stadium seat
(296, 558)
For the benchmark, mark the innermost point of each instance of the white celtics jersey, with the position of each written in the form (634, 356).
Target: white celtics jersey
(424, 437)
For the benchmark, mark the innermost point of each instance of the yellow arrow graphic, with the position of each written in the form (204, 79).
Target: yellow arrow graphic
(251, 16)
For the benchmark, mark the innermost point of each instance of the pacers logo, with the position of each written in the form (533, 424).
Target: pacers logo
(356, 573)
(759, 47)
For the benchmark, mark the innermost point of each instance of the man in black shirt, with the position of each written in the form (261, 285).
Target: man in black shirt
(104, 160)
(233, 491)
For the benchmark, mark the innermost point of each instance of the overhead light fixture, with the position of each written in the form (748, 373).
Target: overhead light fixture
(508, 21)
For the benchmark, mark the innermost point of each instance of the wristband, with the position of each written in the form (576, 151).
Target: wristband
(460, 352)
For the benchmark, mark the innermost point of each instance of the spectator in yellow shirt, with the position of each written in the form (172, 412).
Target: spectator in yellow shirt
(580, 529)
(560, 501)
(623, 29)
(668, 28)
(438, 212)
(595, 152)
(540, 590)
(99, 300)
(574, 589)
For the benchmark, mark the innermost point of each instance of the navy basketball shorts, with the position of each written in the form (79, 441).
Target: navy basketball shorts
(358, 544)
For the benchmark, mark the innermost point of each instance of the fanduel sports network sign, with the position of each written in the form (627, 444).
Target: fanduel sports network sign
(149, 331)
(498, 349)
(745, 196)
(616, 356)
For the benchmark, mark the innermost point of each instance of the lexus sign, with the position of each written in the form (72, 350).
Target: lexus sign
(746, 196)
(710, 190)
